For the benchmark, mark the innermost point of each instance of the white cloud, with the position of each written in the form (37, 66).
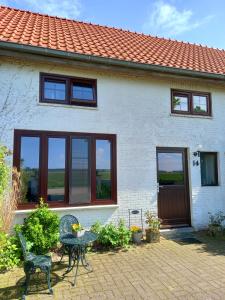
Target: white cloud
(166, 20)
(63, 8)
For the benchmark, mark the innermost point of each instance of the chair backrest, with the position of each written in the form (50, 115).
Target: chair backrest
(65, 224)
(23, 245)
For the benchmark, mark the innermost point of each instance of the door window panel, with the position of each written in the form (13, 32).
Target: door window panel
(103, 169)
(170, 169)
(56, 169)
(80, 184)
(29, 168)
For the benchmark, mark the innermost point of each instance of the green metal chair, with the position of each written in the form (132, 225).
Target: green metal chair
(65, 230)
(33, 262)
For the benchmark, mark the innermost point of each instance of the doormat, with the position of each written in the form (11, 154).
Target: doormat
(187, 240)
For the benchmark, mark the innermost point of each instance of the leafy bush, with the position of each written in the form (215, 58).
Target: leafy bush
(216, 223)
(9, 252)
(112, 236)
(41, 229)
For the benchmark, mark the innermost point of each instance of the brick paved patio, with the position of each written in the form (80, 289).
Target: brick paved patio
(152, 271)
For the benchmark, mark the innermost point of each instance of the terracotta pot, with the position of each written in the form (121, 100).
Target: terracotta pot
(152, 236)
(137, 237)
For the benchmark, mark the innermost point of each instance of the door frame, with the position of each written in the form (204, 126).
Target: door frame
(186, 176)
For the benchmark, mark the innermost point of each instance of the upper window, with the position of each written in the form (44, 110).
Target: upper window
(209, 169)
(66, 168)
(192, 103)
(68, 90)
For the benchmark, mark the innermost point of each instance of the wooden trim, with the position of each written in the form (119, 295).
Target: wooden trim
(190, 95)
(69, 100)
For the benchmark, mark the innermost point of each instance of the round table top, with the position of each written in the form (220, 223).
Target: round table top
(85, 239)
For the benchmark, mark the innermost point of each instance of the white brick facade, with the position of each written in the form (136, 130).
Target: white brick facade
(137, 110)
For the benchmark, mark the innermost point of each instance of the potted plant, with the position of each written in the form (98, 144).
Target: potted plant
(137, 234)
(152, 232)
(215, 226)
(77, 230)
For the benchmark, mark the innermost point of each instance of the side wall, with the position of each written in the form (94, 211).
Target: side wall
(137, 109)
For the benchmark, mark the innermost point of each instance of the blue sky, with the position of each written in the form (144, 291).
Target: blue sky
(201, 21)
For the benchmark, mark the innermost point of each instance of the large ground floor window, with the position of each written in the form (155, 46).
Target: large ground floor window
(66, 169)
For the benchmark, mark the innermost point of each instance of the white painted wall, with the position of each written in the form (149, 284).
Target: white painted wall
(137, 109)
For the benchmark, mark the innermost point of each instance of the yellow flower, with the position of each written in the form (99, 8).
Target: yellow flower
(135, 228)
(76, 227)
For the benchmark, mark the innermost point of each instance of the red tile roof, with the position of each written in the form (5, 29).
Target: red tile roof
(28, 28)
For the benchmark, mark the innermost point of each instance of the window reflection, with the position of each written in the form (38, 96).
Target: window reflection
(103, 169)
(180, 103)
(56, 169)
(80, 186)
(83, 91)
(55, 90)
(200, 103)
(29, 168)
(170, 169)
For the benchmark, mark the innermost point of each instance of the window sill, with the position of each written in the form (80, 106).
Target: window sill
(25, 211)
(67, 106)
(191, 116)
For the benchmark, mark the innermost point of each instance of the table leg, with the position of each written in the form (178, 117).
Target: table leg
(84, 261)
(77, 265)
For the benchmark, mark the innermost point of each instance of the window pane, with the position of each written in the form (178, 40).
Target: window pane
(170, 169)
(200, 104)
(103, 169)
(29, 167)
(56, 169)
(180, 103)
(80, 183)
(83, 91)
(55, 90)
(209, 169)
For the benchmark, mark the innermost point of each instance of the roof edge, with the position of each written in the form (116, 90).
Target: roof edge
(107, 61)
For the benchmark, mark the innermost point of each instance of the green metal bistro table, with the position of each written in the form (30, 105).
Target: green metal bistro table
(77, 248)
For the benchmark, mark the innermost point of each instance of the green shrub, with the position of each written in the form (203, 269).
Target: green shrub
(41, 229)
(111, 236)
(9, 252)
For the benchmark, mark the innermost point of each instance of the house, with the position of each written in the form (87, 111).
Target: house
(103, 120)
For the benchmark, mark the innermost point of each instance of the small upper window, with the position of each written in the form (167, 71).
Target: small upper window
(193, 103)
(68, 90)
(209, 169)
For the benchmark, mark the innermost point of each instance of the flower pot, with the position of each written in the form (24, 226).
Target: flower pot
(152, 236)
(78, 233)
(137, 237)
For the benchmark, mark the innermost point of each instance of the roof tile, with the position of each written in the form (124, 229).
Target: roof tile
(28, 28)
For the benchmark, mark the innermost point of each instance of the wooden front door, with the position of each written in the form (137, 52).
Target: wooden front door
(173, 191)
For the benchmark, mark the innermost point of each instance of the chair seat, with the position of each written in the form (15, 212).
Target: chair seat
(39, 260)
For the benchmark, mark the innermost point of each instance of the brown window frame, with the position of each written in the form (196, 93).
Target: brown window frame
(190, 95)
(43, 165)
(69, 81)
